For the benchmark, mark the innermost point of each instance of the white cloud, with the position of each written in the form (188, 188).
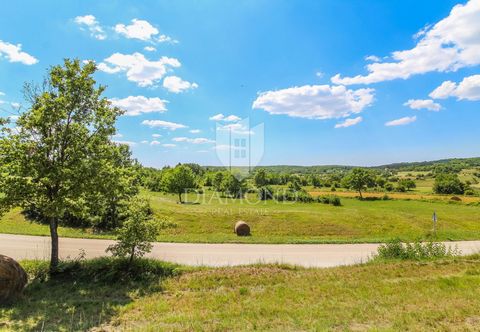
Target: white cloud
(91, 24)
(156, 135)
(137, 68)
(155, 142)
(138, 29)
(144, 142)
(2, 93)
(319, 74)
(418, 104)
(168, 145)
(449, 45)
(402, 121)
(349, 122)
(117, 135)
(15, 105)
(150, 48)
(129, 143)
(163, 124)
(176, 84)
(221, 117)
(14, 53)
(199, 140)
(468, 88)
(137, 105)
(195, 131)
(372, 58)
(142, 30)
(315, 101)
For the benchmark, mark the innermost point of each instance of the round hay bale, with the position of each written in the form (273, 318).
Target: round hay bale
(241, 228)
(456, 199)
(13, 279)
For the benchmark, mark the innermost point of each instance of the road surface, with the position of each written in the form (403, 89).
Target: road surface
(202, 254)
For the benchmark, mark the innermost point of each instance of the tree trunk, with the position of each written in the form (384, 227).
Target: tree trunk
(132, 256)
(54, 238)
(360, 192)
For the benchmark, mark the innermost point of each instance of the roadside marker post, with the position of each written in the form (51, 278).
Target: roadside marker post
(434, 219)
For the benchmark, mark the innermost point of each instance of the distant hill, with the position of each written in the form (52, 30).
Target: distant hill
(454, 164)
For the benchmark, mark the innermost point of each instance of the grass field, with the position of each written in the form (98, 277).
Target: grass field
(355, 221)
(417, 296)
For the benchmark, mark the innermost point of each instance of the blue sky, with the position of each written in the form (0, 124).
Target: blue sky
(298, 67)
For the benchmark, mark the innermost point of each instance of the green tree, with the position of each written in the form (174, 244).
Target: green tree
(217, 181)
(138, 231)
(359, 179)
(60, 157)
(446, 183)
(233, 186)
(178, 180)
(260, 178)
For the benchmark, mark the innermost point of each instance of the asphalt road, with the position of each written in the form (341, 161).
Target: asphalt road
(198, 254)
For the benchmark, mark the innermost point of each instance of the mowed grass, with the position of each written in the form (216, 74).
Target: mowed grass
(441, 295)
(354, 221)
(213, 218)
(416, 296)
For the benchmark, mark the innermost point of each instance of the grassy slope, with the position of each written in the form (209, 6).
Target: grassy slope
(441, 295)
(272, 222)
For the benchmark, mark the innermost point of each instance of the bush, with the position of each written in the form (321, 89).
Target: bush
(330, 199)
(448, 184)
(293, 196)
(265, 193)
(102, 270)
(395, 249)
(469, 192)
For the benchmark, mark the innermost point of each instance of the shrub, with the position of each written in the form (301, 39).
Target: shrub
(330, 199)
(469, 192)
(102, 270)
(265, 193)
(293, 196)
(395, 249)
(448, 184)
(139, 230)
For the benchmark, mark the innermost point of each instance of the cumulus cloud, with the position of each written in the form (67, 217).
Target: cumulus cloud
(138, 68)
(349, 122)
(418, 104)
(142, 30)
(156, 135)
(137, 105)
(199, 140)
(168, 145)
(448, 45)
(221, 117)
(163, 124)
(315, 101)
(372, 58)
(150, 48)
(155, 142)
(14, 53)
(402, 121)
(195, 131)
(176, 84)
(90, 23)
(129, 143)
(468, 88)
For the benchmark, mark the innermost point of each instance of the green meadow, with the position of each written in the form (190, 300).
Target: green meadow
(210, 218)
(440, 294)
